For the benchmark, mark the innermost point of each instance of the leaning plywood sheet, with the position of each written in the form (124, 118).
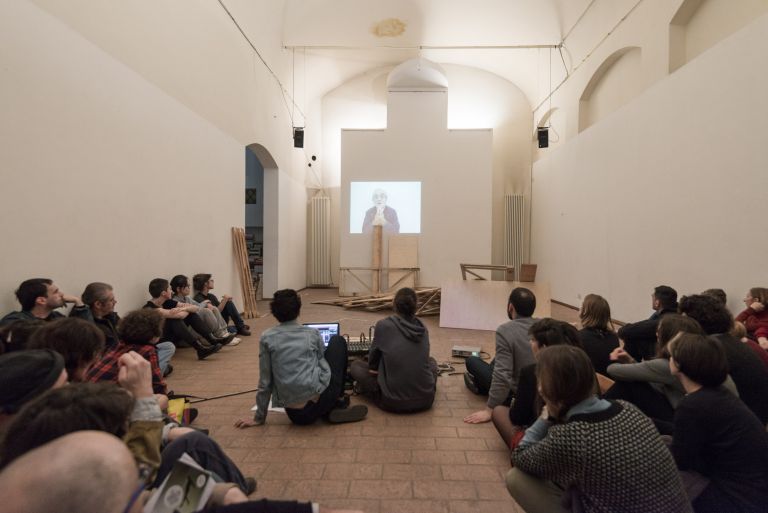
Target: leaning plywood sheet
(403, 252)
(482, 305)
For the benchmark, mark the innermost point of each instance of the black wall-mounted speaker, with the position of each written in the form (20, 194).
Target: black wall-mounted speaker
(542, 133)
(298, 137)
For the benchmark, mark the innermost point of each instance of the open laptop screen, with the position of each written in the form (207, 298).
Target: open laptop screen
(326, 329)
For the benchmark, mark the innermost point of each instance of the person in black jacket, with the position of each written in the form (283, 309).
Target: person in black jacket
(640, 337)
(745, 367)
(596, 334)
(399, 376)
(719, 445)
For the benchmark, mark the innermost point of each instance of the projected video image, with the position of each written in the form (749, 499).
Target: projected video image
(396, 206)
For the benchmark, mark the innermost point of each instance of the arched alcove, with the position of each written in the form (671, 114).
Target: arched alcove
(700, 24)
(271, 234)
(615, 82)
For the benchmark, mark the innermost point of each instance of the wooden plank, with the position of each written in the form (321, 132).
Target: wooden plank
(403, 252)
(482, 305)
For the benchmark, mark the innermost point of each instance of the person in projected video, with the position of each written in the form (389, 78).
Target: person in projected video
(381, 215)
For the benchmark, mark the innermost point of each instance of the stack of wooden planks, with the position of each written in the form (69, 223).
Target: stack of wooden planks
(250, 311)
(427, 301)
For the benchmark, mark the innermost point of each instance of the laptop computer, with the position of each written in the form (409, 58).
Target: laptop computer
(326, 329)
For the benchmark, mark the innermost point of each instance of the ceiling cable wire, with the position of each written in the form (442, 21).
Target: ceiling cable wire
(589, 54)
(283, 90)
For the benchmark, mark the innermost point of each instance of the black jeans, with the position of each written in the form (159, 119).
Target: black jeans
(336, 356)
(230, 312)
(206, 453)
(482, 372)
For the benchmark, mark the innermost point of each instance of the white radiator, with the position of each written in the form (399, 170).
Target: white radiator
(320, 241)
(514, 230)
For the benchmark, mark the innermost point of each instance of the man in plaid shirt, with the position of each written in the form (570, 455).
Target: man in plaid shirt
(139, 331)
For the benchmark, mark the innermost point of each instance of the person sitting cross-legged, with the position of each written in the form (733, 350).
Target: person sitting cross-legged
(138, 331)
(203, 284)
(591, 454)
(297, 372)
(399, 375)
(720, 446)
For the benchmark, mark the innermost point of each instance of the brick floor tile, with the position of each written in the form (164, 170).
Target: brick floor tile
(365, 505)
(328, 455)
(471, 473)
(482, 506)
(437, 457)
(316, 490)
(353, 471)
(379, 489)
(293, 471)
(492, 491)
(460, 444)
(412, 471)
(383, 456)
(488, 458)
(413, 506)
(444, 490)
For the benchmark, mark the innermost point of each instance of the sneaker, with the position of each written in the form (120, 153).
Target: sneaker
(168, 371)
(204, 353)
(469, 380)
(250, 485)
(244, 332)
(225, 340)
(234, 342)
(354, 413)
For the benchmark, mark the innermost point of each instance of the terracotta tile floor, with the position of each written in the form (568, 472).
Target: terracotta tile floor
(425, 462)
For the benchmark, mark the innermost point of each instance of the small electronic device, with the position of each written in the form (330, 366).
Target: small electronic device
(326, 329)
(465, 351)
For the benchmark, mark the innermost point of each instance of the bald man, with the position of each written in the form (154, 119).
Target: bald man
(85, 471)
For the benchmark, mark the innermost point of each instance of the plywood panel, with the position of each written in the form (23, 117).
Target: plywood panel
(482, 305)
(403, 252)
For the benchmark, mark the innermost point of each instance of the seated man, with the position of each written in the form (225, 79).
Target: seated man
(297, 372)
(100, 299)
(513, 352)
(640, 337)
(24, 375)
(399, 375)
(209, 313)
(80, 342)
(139, 331)
(178, 318)
(39, 299)
(203, 284)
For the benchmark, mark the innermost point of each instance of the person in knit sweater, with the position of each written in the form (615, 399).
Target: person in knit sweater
(587, 454)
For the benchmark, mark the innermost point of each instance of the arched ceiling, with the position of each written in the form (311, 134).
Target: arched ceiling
(335, 40)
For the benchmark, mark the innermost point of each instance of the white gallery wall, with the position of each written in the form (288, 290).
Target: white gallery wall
(118, 169)
(476, 100)
(417, 146)
(665, 190)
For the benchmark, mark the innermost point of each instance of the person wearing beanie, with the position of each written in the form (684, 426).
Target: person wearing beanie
(24, 375)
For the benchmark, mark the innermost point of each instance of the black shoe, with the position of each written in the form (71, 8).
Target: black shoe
(168, 371)
(469, 380)
(352, 414)
(243, 331)
(204, 353)
(224, 340)
(250, 485)
(342, 401)
(193, 413)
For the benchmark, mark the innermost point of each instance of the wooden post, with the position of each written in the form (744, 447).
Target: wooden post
(376, 259)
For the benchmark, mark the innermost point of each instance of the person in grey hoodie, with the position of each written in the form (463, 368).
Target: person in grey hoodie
(399, 376)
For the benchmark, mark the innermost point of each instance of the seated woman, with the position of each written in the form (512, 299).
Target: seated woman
(298, 372)
(209, 313)
(648, 384)
(511, 421)
(203, 284)
(399, 376)
(720, 446)
(597, 334)
(755, 317)
(596, 454)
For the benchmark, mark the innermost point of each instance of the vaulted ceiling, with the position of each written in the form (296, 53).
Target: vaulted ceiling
(335, 40)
